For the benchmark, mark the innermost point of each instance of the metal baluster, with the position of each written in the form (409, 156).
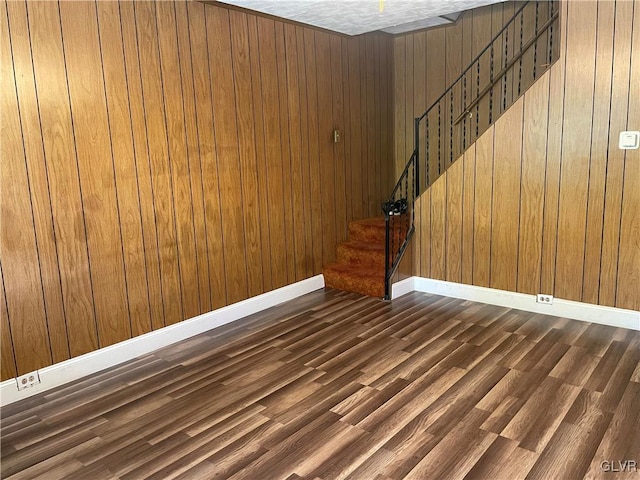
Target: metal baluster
(404, 218)
(504, 77)
(478, 104)
(491, 82)
(413, 193)
(464, 108)
(521, 52)
(535, 45)
(439, 139)
(551, 5)
(451, 127)
(426, 153)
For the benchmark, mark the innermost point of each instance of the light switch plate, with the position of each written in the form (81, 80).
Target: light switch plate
(629, 140)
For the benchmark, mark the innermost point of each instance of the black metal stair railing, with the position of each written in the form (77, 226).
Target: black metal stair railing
(525, 47)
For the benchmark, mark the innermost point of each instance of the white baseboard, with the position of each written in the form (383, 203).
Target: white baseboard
(403, 287)
(93, 362)
(615, 317)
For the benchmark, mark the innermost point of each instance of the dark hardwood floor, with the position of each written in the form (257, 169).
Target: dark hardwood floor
(335, 385)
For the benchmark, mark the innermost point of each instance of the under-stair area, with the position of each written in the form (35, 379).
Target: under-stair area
(525, 47)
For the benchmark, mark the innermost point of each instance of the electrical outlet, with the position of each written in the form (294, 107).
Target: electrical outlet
(28, 380)
(546, 299)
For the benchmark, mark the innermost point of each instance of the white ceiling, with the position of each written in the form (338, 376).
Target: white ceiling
(354, 17)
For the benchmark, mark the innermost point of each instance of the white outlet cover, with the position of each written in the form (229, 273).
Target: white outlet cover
(629, 140)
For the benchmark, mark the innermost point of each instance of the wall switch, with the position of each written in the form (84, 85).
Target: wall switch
(629, 140)
(28, 380)
(336, 136)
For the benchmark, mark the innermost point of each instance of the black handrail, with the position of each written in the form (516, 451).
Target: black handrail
(399, 209)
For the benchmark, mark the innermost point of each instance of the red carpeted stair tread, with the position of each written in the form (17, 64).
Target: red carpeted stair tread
(373, 229)
(355, 278)
(361, 253)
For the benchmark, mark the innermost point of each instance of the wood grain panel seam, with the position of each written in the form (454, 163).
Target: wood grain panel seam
(135, 160)
(6, 308)
(268, 226)
(113, 169)
(517, 257)
(289, 242)
(561, 138)
(195, 103)
(624, 162)
(315, 56)
(239, 198)
(75, 151)
(151, 182)
(187, 158)
(544, 185)
(46, 174)
(169, 162)
(33, 223)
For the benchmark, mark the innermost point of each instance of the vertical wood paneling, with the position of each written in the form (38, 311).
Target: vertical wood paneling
(166, 159)
(629, 255)
(400, 105)
(163, 197)
(424, 225)
(261, 163)
(506, 199)
(305, 153)
(247, 152)
(295, 138)
(96, 173)
(226, 131)
(198, 34)
(179, 170)
(194, 163)
(121, 139)
(38, 180)
(455, 179)
(62, 173)
(137, 119)
(599, 147)
(574, 170)
(20, 264)
(7, 353)
(536, 109)
(325, 146)
(314, 151)
(338, 148)
(620, 108)
(285, 154)
(554, 152)
(438, 229)
(549, 176)
(482, 208)
(468, 207)
(356, 127)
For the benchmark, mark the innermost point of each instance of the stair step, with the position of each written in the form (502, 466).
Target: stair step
(373, 229)
(361, 253)
(355, 278)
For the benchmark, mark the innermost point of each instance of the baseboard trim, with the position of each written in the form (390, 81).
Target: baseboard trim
(93, 362)
(403, 287)
(615, 317)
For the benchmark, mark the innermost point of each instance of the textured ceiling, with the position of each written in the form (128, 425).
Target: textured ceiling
(354, 17)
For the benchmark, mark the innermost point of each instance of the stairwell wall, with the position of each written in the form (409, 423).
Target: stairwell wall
(544, 201)
(163, 159)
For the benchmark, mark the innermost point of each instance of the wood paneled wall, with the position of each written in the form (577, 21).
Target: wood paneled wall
(544, 201)
(162, 159)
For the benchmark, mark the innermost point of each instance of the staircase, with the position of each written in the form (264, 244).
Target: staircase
(360, 265)
(491, 83)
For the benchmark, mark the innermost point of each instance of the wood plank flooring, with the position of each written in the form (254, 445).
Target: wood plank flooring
(336, 385)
